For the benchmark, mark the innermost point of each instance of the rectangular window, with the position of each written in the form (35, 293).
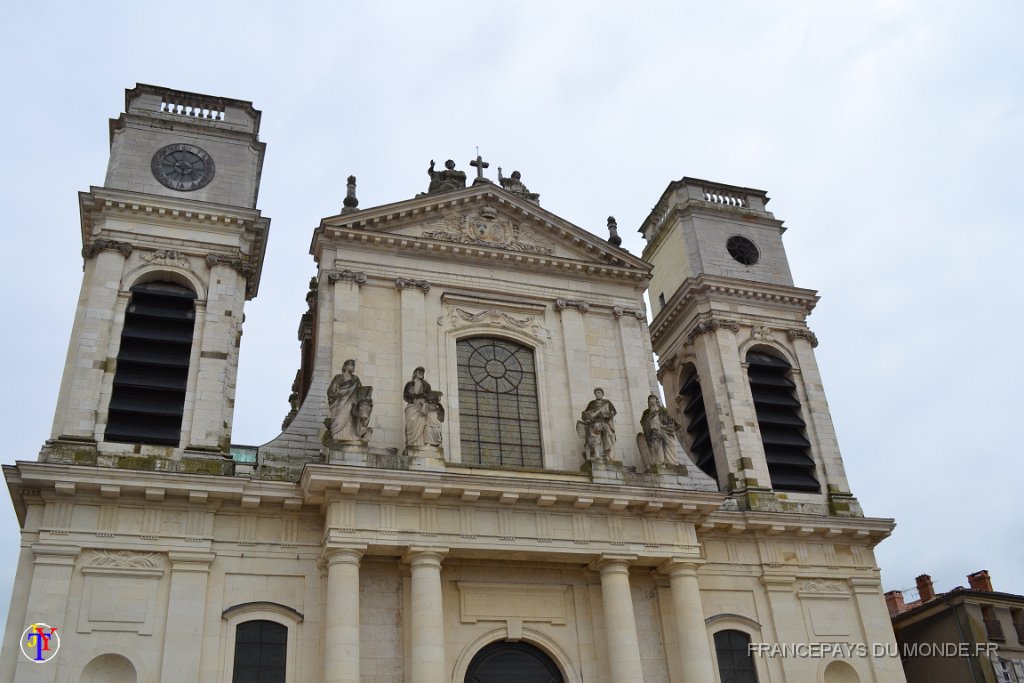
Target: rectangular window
(992, 624)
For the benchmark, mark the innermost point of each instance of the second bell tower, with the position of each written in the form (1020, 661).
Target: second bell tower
(737, 358)
(173, 247)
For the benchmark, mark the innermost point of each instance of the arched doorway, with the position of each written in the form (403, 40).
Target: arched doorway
(512, 663)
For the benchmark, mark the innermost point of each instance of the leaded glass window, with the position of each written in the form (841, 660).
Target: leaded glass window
(735, 663)
(512, 663)
(498, 414)
(260, 652)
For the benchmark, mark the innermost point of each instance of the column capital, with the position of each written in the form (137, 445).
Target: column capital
(55, 554)
(681, 566)
(610, 564)
(342, 554)
(418, 556)
(190, 562)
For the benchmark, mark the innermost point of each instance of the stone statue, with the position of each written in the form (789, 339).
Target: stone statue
(658, 444)
(423, 412)
(350, 405)
(446, 180)
(597, 427)
(515, 186)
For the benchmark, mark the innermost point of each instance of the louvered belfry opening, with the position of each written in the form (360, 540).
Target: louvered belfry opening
(152, 366)
(696, 416)
(783, 431)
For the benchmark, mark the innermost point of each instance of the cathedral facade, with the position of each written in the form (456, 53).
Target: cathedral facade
(479, 480)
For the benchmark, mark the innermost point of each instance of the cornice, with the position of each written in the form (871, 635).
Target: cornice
(868, 530)
(544, 490)
(170, 211)
(705, 288)
(488, 256)
(105, 482)
(389, 216)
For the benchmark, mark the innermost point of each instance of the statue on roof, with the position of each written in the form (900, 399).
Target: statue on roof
(515, 186)
(447, 180)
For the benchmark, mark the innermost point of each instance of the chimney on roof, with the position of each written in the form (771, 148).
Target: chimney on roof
(980, 581)
(894, 602)
(924, 588)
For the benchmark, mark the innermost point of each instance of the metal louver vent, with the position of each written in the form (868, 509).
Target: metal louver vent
(148, 396)
(697, 425)
(786, 447)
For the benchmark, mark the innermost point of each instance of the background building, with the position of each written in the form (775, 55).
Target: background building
(989, 626)
(381, 539)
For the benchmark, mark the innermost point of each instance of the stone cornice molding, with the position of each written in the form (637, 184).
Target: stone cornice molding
(248, 225)
(486, 255)
(708, 288)
(101, 200)
(403, 283)
(571, 493)
(864, 530)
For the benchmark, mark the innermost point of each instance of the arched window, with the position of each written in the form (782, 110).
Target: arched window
(148, 397)
(735, 662)
(261, 649)
(498, 414)
(698, 433)
(109, 668)
(786, 447)
(512, 663)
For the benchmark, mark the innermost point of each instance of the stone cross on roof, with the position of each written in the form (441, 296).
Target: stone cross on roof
(480, 165)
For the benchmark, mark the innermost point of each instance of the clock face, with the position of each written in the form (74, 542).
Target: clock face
(183, 167)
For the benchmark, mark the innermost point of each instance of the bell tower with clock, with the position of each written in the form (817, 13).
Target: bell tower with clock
(173, 247)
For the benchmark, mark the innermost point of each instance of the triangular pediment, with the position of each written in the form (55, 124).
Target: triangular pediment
(488, 217)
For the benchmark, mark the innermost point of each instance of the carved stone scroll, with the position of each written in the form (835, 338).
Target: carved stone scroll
(422, 285)
(562, 304)
(96, 246)
(354, 276)
(803, 334)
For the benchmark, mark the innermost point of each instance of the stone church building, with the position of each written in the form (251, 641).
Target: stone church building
(478, 481)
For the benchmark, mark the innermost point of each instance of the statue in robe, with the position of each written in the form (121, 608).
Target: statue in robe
(447, 180)
(657, 443)
(350, 405)
(423, 412)
(597, 427)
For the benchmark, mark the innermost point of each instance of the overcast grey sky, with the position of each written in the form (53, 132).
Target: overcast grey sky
(888, 134)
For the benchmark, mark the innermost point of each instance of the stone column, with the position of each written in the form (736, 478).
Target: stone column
(427, 615)
(341, 627)
(619, 619)
(212, 378)
(183, 642)
(90, 343)
(413, 326)
(47, 603)
(691, 633)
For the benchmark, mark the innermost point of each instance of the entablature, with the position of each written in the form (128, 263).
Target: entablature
(710, 289)
(247, 227)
